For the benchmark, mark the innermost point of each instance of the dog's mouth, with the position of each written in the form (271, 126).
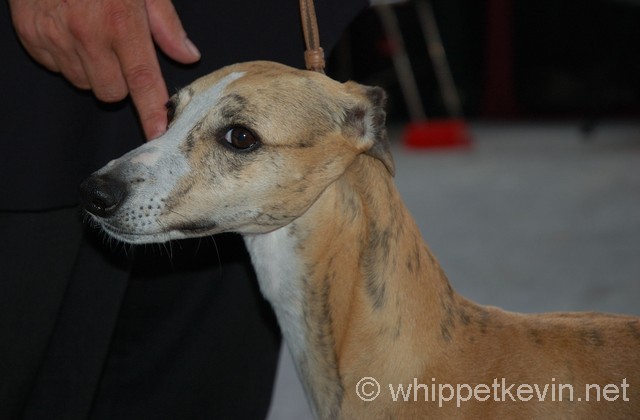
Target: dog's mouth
(198, 230)
(127, 236)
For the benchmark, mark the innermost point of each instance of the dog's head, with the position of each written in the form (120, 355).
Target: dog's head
(248, 149)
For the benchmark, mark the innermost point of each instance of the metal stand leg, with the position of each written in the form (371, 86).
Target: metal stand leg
(402, 65)
(438, 57)
(401, 62)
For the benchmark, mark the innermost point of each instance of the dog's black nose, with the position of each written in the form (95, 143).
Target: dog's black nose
(101, 195)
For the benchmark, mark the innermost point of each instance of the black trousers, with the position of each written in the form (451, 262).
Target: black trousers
(91, 332)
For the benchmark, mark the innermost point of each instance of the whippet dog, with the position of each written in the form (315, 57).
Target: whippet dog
(300, 166)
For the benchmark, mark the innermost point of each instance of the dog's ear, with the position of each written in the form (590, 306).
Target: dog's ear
(365, 121)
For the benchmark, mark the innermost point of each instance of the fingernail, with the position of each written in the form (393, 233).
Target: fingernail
(192, 48)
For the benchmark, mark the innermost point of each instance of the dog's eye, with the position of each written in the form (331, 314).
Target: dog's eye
(240, 138)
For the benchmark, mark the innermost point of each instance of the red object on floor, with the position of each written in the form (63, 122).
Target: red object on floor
(437, 134)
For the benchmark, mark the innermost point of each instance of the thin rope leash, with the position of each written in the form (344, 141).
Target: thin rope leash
(314, 54)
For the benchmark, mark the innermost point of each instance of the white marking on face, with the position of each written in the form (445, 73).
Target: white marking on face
(147, 158)
(170, 165)
(161, 165)
(198, 106)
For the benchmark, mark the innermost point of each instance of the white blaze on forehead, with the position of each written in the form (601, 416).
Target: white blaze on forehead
(157, 151)
(147, 158)
(169, 164)
(197, 108)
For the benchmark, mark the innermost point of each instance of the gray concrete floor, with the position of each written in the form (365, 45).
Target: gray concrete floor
(532, 218)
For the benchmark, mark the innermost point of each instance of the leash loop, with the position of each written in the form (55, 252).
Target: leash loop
(314, 54)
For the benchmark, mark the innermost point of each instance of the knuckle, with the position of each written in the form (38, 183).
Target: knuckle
(118, 18)
(141, 78)
(49, 32)
(80, 31)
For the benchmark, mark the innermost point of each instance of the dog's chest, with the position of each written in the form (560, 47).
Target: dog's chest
(280, 275)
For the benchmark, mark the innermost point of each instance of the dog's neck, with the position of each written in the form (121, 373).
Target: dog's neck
(353, 284)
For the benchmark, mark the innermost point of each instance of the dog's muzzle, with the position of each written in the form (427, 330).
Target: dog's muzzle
(102, 195)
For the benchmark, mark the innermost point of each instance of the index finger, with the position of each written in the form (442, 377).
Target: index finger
(141, 69)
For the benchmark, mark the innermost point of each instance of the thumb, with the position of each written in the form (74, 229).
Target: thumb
(168, 32)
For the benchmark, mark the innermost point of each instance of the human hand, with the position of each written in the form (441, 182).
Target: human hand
(107, 46)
